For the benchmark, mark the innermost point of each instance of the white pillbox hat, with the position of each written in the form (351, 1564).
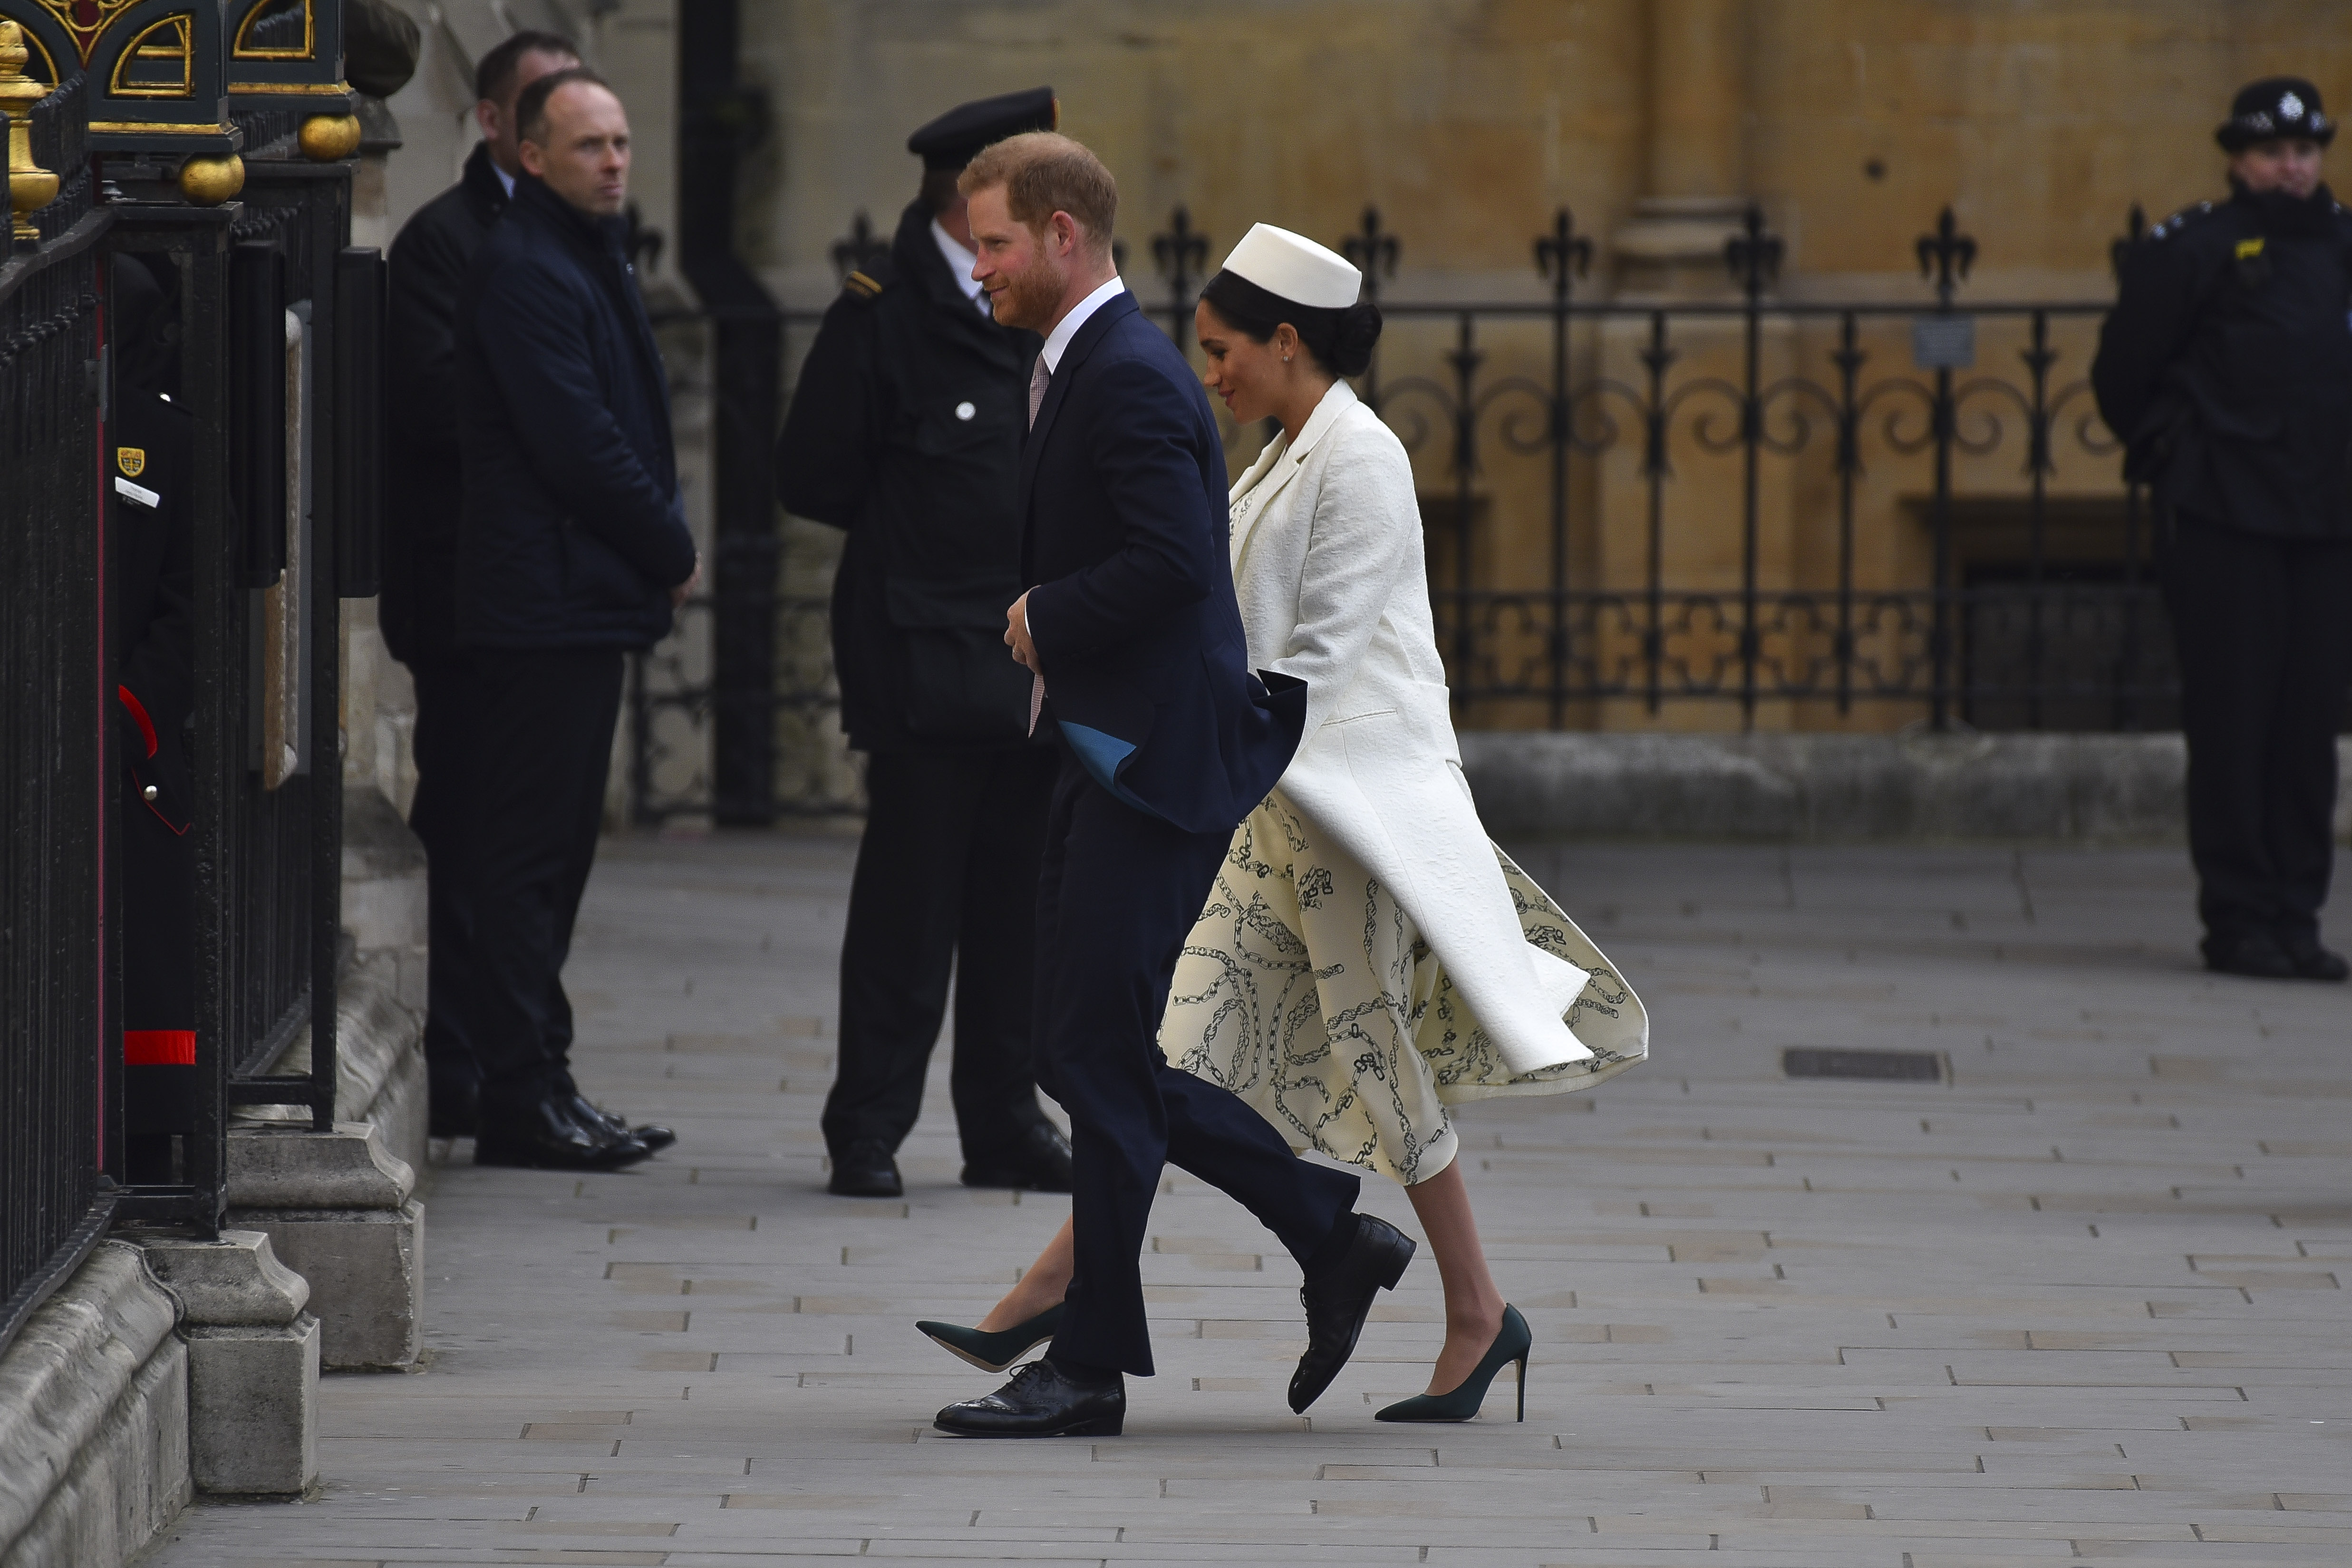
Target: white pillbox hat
(1295, 267)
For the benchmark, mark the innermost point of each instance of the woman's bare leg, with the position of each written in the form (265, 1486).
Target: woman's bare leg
(1040, 1286)
(1474, 1304)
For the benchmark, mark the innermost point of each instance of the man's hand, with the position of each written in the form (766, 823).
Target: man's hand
(685, 591)
(1016, 637)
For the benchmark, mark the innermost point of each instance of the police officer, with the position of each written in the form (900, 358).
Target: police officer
(906, 432)
(2227, 367)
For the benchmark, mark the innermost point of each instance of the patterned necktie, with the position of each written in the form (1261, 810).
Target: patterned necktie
(1038, 377)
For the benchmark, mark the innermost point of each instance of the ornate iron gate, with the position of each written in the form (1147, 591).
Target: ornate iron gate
(279, 370)
(1611, 490)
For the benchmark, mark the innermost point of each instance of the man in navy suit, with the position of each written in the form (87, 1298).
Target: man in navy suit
(1134, 644)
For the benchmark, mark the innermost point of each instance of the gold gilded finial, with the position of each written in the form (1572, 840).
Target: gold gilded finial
(30, 186)
(329, 138)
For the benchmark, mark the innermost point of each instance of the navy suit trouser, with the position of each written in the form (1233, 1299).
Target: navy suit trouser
(1118, 893)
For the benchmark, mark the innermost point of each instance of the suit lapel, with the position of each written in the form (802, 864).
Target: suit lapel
(1082, 344)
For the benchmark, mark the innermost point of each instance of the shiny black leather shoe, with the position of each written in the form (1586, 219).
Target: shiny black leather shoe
(1337, 1297)
(2256, 955)
(2313, 962)
(866, 1170)
(1040, 1403)
(1039, 1163)
(994, 1352)
(653, 1137)
(544, 1136)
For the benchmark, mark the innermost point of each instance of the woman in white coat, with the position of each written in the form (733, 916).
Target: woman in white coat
(1368, 958)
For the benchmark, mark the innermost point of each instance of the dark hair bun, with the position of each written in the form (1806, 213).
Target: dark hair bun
(1348, 349)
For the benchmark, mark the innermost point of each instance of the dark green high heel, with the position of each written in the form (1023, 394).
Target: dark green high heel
(1511, 1344)
(994, 1352)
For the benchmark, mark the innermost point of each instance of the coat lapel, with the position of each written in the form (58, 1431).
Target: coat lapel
(1272, 480)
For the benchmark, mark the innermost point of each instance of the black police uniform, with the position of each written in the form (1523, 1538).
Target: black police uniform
(2227, 366)
(904, 431)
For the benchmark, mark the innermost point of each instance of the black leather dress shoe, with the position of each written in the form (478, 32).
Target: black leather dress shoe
(655, 1138)
(544, 1136)
(866, 1170)
(2313, 962)
(1040, 1403)
(2256, 955)
(1337, 1297)
(451, 1113)
(1039, 1163)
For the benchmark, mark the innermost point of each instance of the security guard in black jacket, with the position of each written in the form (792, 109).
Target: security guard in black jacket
(419, 606)
(2227, 367)
(906, 432)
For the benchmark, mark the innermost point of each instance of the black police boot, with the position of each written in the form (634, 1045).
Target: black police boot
(2255, 954)
(865, 1170)
(2311, 961)
(1038, 1161)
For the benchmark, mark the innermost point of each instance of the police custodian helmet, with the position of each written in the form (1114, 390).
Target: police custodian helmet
(2273, 108)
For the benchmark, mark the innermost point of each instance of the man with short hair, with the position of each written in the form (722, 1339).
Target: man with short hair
(2226, 366)
(1133, 639)
(906, 434)
(573, 551)
(418, 608)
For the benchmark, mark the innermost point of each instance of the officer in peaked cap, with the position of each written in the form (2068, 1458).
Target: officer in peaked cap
(905, 432)
(2226, 366)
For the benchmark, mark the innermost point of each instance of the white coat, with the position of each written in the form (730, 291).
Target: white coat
(1328, 565)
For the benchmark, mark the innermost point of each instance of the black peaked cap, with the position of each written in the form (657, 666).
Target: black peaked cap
(2274, 107)
(955, 138)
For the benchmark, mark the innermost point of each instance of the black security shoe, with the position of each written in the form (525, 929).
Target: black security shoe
(1040, 1403)
(586, 1112)
(2255, 954)
(2311, 961)
(451, 1113)
(1337, 1297)
(543, 1136)
(1038, 1162)
(865, 1170)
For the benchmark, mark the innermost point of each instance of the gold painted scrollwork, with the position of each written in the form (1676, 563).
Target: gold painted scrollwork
(277, 30)
(84, 20)
(161, 62)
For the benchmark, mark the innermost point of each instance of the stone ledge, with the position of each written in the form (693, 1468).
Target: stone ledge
(93, 1418)
(1830, 789)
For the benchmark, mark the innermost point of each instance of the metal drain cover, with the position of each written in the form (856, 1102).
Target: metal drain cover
(1905, 1067)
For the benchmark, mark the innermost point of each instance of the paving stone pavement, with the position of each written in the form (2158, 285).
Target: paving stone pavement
(2081, 1303)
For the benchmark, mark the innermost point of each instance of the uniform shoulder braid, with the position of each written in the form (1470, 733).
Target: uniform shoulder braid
(866, 285)
(2186, 218)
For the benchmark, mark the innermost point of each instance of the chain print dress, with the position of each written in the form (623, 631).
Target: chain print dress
(1306, 986)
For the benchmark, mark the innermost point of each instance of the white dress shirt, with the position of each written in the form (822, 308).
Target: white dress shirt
(1059, 338)
(504, 178)
(959, 265)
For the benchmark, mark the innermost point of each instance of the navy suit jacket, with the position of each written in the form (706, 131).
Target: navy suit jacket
(1133, 616)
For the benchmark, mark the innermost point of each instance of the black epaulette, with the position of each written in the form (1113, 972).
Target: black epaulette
(860, 286)
(2181, 220)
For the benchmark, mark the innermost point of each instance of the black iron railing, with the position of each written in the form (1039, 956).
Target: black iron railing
(1815, 514)
(55, 941)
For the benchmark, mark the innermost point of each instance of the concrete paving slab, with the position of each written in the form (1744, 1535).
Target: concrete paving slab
(2081, 1300)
